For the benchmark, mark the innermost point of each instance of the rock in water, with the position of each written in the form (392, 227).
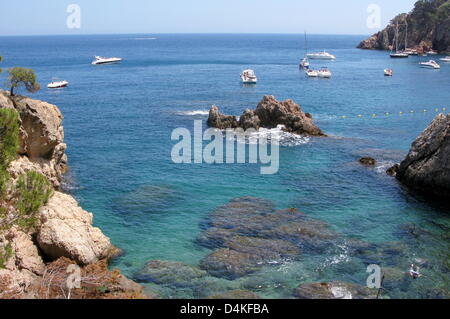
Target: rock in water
(249, 120)
(426, 168)
(273, 113)
(369, 161)
(175, 274)
(221, 121)
(334, 290)
(268, 114)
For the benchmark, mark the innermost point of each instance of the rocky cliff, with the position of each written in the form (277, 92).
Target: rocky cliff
(268, 114)
(64, 233)
(426, 168)
(428, 28)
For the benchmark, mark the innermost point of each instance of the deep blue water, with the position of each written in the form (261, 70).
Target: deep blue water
(119, 118)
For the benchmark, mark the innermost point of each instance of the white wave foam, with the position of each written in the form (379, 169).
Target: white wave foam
(193, 113)
(145, 38)
(383, 166)
(276, 136)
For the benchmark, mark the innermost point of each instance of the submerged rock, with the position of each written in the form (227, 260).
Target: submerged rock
(249, 233)
(333, 290)
(369, 161)
(236, 294)
(269, 113)
(426, 168)
(169, 273)
(230, 264)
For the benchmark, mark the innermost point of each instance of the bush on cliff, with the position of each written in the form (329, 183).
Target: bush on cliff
(19, 77)
(9, 143)
(9, 136)
(33, 191)
(1, 59)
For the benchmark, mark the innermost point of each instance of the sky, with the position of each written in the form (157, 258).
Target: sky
(44, 17)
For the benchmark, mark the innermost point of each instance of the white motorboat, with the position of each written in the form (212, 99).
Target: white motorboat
(324, 73)
(321, 56)
(56, 84)
(388, 72)
(102, 60)
(411, 52)
(446, 59)
(312, 73)
(430, 64)
(432, 52)
(249, 77)
(304, 64)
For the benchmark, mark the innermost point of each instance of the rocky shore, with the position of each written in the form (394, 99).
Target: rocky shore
(428, 28)
(426, 168)
(268, 114)
(64, 234)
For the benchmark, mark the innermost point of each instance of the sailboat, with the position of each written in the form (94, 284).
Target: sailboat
(304, 64)
(398, 54)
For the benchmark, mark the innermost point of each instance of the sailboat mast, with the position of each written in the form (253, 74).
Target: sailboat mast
(306, 44)
(406, 36)
(396, 38)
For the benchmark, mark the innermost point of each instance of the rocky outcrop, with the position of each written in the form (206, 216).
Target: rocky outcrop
(66, 230)
(428, 28)
(64, 233)
(221, 121)
(269, 113)
(426, 168)
(42, 146)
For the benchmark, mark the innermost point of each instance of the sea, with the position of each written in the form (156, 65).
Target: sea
(118, 122)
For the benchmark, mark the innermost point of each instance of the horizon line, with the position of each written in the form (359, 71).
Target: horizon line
(184, 33)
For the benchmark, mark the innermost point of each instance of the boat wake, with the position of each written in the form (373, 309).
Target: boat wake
(193, 113)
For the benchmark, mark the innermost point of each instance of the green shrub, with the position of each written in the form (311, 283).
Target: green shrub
(9, 136)
(33, 191)
(6, 252)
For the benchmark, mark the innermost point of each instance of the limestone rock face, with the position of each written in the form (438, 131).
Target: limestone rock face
(42, 146)
(268, 114)
(426, 168)
(66, 231)
(221, 121)
(42, 123)
(26, 255)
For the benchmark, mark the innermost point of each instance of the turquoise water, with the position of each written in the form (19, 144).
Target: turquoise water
(119, 118)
